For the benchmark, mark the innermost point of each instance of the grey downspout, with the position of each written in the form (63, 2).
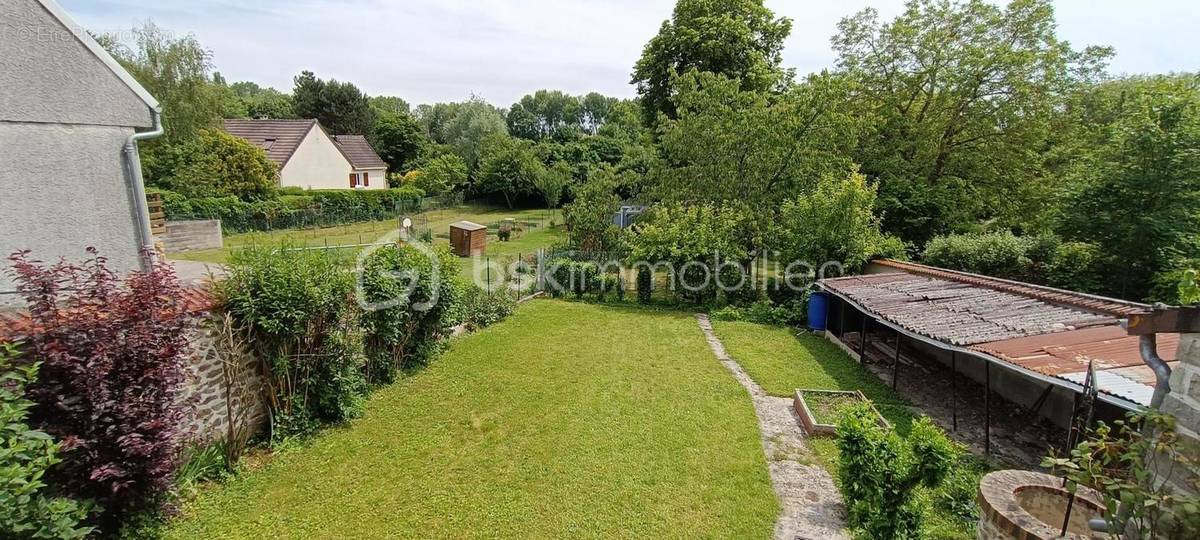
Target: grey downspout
(1148, 344)
(141, 211)
(1162, 372)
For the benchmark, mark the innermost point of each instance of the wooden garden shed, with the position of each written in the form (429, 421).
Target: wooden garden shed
(467, 238)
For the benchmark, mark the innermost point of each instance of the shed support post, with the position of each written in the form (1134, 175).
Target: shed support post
(841, 319)
(954, 390)
(896, 362)
(987, 407)
(862, 345)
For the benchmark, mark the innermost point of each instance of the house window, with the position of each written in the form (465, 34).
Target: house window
(360, 180)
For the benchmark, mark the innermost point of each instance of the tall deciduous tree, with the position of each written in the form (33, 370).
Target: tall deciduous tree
(1137, 194)
(340, 106)
(959, 96)
(177, 72)
(471, 123)
(398, 139)
(731, 145)
(740, 39)
(546, 114)
(508, 167)
(552, 183)
(263, 102)
(439, 175)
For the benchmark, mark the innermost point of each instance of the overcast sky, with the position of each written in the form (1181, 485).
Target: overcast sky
(444, 50)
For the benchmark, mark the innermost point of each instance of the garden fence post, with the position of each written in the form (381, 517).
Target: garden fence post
(541, 279)
(488, 266)
(987, 407)
(954, 390)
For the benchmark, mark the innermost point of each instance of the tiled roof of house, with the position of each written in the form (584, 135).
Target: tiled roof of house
(359, 152)
(279, 138)
(1044, 330)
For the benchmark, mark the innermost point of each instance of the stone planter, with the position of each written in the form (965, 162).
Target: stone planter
(1021, 505)
(810, 417)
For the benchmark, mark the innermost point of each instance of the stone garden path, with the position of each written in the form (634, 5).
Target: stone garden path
(811, 507)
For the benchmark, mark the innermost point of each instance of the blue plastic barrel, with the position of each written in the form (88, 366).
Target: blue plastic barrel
(818, 311)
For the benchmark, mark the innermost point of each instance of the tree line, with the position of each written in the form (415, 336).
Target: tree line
(956, 122)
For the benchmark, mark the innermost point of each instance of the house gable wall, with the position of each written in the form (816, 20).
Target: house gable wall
(48, 75)
(316, 164)
(64, 189)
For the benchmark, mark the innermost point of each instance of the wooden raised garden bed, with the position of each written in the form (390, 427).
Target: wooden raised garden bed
(817, 409)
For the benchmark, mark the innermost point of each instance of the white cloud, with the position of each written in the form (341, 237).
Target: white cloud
(444, 50)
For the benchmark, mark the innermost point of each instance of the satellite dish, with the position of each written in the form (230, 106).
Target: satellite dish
(407, 223)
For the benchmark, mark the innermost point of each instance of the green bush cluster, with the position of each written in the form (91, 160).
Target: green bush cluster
(481, 308)
(790, 313)
(26, 509)
(305, 325)
(878, 472)
(292, 208)
(412, 307)
(326, 334)
(1040, 259)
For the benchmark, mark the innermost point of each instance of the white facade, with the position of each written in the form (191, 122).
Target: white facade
(319, 164)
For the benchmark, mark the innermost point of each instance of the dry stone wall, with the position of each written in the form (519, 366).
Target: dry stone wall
(223, 388)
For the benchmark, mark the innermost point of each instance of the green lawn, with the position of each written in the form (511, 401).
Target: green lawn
(566, 420)
(369, 231)
(780, 360)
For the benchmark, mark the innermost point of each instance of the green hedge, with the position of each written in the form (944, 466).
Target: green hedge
(1043, 259)
(294, 209)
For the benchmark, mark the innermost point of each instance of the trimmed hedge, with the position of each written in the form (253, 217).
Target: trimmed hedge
(294, 209)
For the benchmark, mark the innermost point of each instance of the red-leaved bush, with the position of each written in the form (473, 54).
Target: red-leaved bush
(113, 356)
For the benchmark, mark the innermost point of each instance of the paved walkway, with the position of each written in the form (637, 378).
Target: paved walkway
(811, 507)
(191, 273)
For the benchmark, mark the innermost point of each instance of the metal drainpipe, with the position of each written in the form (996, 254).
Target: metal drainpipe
(133, 166)
(1162, 372)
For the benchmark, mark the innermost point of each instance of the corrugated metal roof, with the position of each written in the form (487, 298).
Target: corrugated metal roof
(1117, 385)
(1047, 331)
(958, 313)
(1091, 302)
(1066, 355)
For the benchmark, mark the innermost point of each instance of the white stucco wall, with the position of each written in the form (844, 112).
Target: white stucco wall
(62, 189)
(378, 178)
(48, 75)
(317, 164)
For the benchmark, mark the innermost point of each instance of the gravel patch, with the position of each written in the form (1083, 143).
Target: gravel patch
(811, 506)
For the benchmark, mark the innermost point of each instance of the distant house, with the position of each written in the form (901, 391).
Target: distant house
(70, 120)
(309, 157)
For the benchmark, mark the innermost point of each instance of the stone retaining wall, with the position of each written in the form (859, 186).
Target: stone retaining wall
(223, 387)
(1184, 403)
(182, 236)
